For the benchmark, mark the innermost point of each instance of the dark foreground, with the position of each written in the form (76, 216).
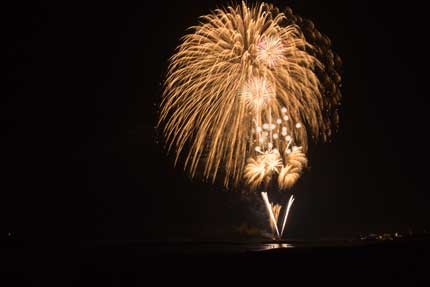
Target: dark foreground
(136, 263)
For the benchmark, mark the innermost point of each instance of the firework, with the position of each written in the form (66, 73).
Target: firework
(273, 219)
(276, 210)
(243, 92)
(296, 162)
(287, 211)
(260, 169)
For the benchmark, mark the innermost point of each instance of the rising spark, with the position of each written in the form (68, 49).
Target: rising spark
(270, 211)
(276, 210)
(290, 203)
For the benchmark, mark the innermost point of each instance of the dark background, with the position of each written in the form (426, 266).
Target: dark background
(81, 159)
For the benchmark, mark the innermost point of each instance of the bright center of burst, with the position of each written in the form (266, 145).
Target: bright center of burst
(270, 51)
(257, 93)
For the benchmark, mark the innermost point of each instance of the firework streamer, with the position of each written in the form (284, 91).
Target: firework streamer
(274, 222)
(287, 211)
(276, 209)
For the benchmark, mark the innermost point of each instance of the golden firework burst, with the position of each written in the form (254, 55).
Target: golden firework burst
(241, 85)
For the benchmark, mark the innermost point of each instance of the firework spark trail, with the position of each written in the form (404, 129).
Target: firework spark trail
(276, 209)
(290, 203)
(270, 211)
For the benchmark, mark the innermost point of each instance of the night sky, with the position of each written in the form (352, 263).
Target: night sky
(81, 158)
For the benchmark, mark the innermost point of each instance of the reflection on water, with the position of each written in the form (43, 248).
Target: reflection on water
(269, 246)
(189, 247)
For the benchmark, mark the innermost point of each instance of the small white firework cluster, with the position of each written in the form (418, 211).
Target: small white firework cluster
(268, 161)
